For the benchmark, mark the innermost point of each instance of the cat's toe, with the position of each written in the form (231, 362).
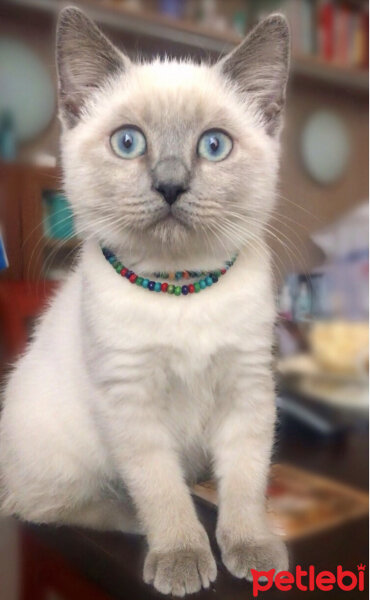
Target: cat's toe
(180, 572)
(240, 558)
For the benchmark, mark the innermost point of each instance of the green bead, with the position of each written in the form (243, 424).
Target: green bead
(170, 289)
(218, 273)
(139, 281)
(177, 290)
(197, 287)
(202, 284)
(115, 263)
(119, 267)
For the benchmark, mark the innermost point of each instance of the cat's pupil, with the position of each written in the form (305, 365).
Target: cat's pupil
(127, 140)
(214, 144)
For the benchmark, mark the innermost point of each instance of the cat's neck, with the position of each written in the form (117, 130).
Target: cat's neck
(146, 263)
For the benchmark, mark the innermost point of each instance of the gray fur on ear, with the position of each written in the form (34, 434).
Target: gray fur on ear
(85, 59)
(260, 66)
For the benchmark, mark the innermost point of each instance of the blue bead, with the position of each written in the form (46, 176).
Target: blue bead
(202, 284)
(128, 274)
(178, 275)
(145, 283)
(214, 278)
(112, 258)
(209, 280)
(151, 285)
(157, 287)
(185, 290)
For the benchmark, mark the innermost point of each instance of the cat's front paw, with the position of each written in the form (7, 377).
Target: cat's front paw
(262, 555)
(180, 572)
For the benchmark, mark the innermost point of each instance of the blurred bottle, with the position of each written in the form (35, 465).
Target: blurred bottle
(8, 147)
(303, 304)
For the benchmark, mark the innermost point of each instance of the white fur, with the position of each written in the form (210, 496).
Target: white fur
(124, 396)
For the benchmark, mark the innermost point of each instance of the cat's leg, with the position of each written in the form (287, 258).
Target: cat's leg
(242, 448)
(179, 560)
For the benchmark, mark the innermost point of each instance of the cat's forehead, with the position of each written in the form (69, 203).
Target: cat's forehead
(171, 92)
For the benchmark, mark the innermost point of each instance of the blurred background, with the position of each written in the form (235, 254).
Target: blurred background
(318, 235)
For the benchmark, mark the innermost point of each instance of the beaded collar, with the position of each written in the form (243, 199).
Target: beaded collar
(204, 279)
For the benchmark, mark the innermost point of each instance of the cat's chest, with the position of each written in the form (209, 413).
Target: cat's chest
(184, 335)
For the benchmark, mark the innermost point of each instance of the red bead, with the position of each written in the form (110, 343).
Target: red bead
(164, 287)
(223, 271)
(123, 271)
(133, 278)
(191, 288)
(185, 275)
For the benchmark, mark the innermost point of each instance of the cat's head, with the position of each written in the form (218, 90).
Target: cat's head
(170, 158)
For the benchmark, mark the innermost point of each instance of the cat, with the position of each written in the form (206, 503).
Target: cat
(126, 395)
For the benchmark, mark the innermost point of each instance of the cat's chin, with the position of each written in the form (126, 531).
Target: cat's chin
(170, 231)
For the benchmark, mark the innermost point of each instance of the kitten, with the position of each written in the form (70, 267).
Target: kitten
(124, 395)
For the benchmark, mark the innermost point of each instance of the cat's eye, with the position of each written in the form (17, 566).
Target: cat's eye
(215, 145)
(128, 142)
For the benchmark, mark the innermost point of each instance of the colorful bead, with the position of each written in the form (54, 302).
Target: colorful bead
(209, 278)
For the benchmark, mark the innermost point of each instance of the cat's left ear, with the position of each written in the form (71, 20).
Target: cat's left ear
(85, 60)
(260, 67)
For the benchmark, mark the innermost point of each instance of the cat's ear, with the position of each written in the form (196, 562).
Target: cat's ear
(260, 67)
(85, 59)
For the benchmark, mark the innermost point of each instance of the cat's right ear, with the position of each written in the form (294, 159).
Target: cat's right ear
(85, 59)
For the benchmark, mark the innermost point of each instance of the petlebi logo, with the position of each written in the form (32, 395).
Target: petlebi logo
(308, 580)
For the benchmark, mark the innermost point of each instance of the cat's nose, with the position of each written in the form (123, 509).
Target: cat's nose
(170, 191)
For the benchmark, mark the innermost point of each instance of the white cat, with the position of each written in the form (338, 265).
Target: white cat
(125, 395)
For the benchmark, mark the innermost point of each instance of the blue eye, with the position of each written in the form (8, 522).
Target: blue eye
(128, 142)
(215, 145)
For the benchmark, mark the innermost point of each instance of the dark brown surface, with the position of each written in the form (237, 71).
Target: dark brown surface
(21, 214)
(114, 561)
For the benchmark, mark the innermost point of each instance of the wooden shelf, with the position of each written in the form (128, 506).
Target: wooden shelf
(187, 33)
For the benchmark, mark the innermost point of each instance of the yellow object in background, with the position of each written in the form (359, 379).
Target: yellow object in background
(340, 346)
